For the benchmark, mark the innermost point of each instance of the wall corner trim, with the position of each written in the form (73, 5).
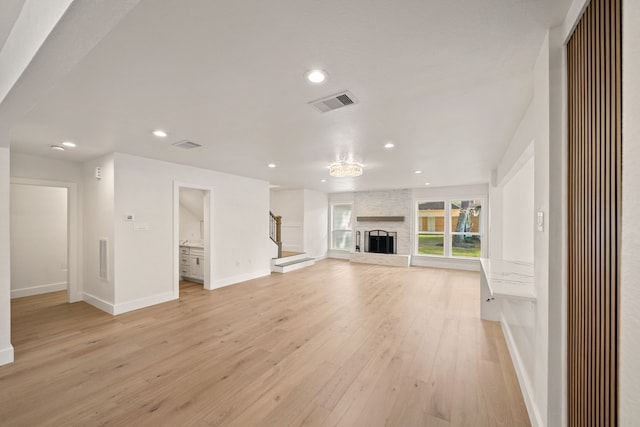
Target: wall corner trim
(98, 303)
(6, 355)
(220, 283)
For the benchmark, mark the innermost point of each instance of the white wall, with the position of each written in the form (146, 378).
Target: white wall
(43, 168)
(38, 239)
(189, 225)
(518, 215)
(316, 232)
(98, 216)
(6, 349)
(629, 373)
(144, 260)
(537, 333)
(191, 214)
(289, 204)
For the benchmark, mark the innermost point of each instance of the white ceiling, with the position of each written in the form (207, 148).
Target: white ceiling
(446, 81)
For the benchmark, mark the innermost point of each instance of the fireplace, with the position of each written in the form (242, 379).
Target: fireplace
(380, 241)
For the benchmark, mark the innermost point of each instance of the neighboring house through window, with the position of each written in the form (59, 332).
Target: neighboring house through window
(449, 228)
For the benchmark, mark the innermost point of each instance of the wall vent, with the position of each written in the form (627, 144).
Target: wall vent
(103, 259)
(334, 102)
(187, 145)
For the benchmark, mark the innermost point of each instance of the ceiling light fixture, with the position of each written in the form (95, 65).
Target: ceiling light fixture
(57, 148)
(317, 76)
(427, 183)
(271, 165)
(389, 145)
(323, 180)
(69, 144)
(417, 172)
(345, 168)
(160, 133)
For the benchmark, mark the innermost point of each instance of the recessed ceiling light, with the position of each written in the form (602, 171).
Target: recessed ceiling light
(69, 144)
(389, 145)
(316, 76)
(427, 183)
(416, 172)
(271, 165)
(57, 148)
(160, 133)
(323, 180)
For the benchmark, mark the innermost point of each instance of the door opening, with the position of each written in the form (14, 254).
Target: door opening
(192, 233)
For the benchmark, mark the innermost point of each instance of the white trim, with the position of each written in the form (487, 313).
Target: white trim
(525, 384)
(573, 16)
(339, 254)
(6, 355)
(98, 303)
(137, 304)
(468, 264)
(37, 290)
(240, 278)
(74, 253)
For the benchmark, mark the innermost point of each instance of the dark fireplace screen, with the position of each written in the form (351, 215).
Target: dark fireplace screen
(380, 241)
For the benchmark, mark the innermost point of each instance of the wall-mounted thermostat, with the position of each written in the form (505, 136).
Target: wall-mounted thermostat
(129, 217)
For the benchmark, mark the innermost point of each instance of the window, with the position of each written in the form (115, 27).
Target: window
(431, 228)
(341, 232)
(465, 228)
(450, 228)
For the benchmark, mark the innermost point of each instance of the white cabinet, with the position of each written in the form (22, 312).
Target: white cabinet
(192, 263)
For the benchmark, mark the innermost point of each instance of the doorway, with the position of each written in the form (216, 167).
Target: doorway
(44, 238)
(192, 236)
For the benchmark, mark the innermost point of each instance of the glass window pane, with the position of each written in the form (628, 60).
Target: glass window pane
(342, 217)
(466, 245)
(431, 244)
(431, 216)
(465, 216)
(342, 240)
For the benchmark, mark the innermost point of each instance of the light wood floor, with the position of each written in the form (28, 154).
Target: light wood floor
(333, 344)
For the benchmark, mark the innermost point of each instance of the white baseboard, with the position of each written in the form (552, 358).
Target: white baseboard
(239, 278)
(449, 263)
(338, 254)
(137, 304)
(523, 379)
(6, 355)
(98, 303)
(37, 290)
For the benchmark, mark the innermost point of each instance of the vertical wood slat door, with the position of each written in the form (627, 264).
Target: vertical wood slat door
(594, 205)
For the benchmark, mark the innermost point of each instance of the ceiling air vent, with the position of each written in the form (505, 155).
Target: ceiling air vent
(334, 102)
(187, 145)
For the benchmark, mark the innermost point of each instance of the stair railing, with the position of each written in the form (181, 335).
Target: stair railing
(275, 231)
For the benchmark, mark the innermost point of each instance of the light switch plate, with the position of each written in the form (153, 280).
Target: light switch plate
(540, 221)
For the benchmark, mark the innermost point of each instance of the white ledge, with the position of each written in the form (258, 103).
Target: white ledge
(509, 279)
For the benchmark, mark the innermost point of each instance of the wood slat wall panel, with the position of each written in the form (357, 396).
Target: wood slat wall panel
(594, 181)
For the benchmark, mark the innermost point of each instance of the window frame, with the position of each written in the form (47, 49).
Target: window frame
(448, 227)
(418, 233)
(331, 229)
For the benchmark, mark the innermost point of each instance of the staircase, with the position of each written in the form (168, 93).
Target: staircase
(292, 262)
(286, 262)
